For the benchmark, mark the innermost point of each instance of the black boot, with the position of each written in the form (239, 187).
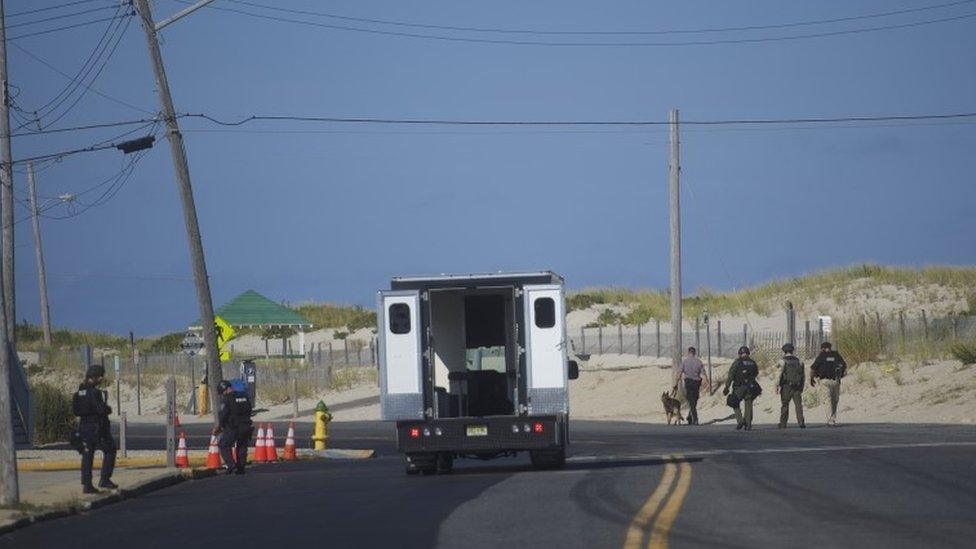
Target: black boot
(89, 489)
(108, 484)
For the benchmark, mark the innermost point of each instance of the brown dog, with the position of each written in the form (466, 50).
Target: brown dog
(672, 408)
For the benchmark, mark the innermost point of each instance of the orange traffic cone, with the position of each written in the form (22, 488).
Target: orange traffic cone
(182, 457)
(260, 452)
(269, 444)
(213, 454)
(176, 420)
(290, 453)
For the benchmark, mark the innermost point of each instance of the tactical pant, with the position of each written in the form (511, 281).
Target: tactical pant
(745, 399)
(96, 437)
(233, 446)
(833, 394)
(692, 391)
(786, 394)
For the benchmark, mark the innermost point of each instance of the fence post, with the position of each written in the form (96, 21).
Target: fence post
(790, 323)
(708, 345)
(345, 349)
(138, 363)
(583, 339)
(955, 327)
(697, 334)
(267, 350)
(294, 395)
(877, 318)
(372, 353)
(599, 335)
(901, 328)
(718, 334)
(118, 383)
(820, 334)
(359, 355)
(620, 338)
(745, 335)
(330, 353)
(638, 339)
(123, 427)
(171, 422)
(925, 322)
(657, 331)
(193, 387)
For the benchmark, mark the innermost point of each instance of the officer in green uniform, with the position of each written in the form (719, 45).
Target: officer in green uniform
(790, 386)
(742, 377)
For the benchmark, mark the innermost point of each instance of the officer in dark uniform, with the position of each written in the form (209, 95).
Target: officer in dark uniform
(790, 386)
(742, 377)
(829, 367)
(94, 429)
(235, 427)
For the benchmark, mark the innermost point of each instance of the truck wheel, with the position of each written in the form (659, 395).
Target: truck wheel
(445, 462)
(548, 459)
(421, 463)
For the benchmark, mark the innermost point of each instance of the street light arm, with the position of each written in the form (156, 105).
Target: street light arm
(181, 14)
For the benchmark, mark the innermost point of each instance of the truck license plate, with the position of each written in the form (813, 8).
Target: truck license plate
(477, 430)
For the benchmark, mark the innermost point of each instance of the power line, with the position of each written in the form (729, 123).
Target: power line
(67, 27)
(72, 79)
(86, 127)
(471, 122)
(102, 53)
(62, 16)
(596, 32)
(50, 8)
(591, 44)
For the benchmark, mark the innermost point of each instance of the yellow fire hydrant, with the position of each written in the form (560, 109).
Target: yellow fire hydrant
(203, 399)
(322, 419)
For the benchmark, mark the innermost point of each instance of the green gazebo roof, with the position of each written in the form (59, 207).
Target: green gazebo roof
(251, 309)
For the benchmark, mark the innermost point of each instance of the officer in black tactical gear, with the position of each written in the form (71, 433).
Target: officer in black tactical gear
(829, 367)
(94, 429)
(742, 377)
(790, 386)
(235, 427)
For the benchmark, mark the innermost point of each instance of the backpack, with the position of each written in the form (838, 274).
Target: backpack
(792, 372)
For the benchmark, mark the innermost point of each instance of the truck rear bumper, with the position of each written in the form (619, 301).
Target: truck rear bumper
(481, 434)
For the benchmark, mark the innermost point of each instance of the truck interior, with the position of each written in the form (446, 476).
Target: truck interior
(474, 341)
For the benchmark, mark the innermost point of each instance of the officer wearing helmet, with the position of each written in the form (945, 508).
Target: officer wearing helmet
(829, 367)
(790, 386)
(94, 430)
(234, 427)
(742, 377)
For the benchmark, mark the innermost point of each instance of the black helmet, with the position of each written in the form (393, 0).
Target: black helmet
(223, 386)
(95, 370)
(743, 350)
(825, 345)
(788, 348)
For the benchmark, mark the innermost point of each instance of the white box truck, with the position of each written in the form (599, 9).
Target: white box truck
(475, 366)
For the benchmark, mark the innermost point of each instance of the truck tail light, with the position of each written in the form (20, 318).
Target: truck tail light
(537, 428)
(415, 432)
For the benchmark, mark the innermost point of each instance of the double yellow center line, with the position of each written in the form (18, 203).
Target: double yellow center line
(667, 500)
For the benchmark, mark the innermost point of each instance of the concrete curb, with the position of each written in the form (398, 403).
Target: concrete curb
(195, 460)
(149, 485)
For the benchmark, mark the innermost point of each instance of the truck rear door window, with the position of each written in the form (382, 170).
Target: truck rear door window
(400, 318)
(545, 312)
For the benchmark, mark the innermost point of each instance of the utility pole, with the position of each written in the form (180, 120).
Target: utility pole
(39, 252)
(182, 169)
(9, 488)
(674, 170)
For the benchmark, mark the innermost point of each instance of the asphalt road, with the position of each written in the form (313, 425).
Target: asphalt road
(625, 485)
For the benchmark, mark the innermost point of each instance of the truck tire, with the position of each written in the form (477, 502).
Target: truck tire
(421, 463)
(445, 463)
(548, 459)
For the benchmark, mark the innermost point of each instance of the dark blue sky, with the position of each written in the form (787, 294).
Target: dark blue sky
(330, 212)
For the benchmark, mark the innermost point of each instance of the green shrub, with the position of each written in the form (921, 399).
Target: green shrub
(54, 419)
(858, 343)
(964, 352)
(609, 317)
(328, 315)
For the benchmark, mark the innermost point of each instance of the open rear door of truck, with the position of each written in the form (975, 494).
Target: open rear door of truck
(545, 342)
(400, 355)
